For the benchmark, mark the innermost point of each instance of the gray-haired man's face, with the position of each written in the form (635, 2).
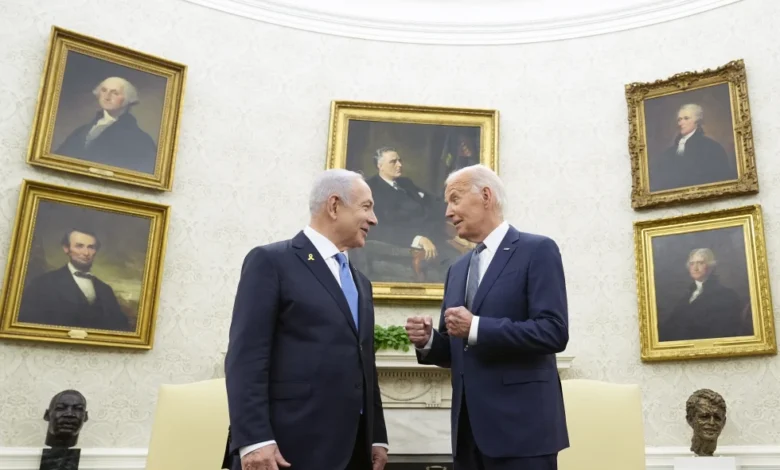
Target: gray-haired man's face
(686, 121)
(698, 267)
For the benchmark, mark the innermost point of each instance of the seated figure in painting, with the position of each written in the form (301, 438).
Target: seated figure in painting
(694, 159)
(707, 309)
(113, 137)
(410, 218)
(72, 296)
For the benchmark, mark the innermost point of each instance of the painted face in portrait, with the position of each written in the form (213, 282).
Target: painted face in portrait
(700, 264)
(354, 219)
(687, 119)
(81, 248)
(390, 165)
(66, 415)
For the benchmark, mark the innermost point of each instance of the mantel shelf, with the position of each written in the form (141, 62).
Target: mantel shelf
(398, 360)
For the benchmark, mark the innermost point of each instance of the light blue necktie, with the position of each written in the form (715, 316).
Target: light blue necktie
(348, 286)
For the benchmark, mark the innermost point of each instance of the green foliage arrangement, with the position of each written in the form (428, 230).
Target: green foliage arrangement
(391, 337)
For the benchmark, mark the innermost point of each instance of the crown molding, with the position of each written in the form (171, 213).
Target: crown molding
(464, 22)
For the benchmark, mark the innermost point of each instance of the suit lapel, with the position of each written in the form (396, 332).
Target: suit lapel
(363, 306)
(505, 251)
(73, 290)
(311, 258)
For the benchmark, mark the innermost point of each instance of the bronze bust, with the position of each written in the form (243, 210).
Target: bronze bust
(66, 414)
(705, 412)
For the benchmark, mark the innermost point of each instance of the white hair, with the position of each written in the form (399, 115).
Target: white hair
(698, 112)
(131, 94)
(332, 182)
(482, 177)
(706, 254)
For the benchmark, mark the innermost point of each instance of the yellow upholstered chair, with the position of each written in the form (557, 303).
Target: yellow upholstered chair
(606, 430)
(190, 427)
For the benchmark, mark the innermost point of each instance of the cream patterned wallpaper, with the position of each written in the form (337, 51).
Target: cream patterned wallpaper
(253, 137)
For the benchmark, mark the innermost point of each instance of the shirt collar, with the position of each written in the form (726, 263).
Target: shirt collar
(324, 246)
(73, 269)
(493, 241)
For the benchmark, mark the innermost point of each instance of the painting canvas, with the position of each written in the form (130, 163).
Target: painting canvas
(83, 267)
(703, 285)
(405, 154)
(690, 137)
(108, 112)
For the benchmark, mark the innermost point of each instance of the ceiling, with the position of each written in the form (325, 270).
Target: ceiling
(466, 22)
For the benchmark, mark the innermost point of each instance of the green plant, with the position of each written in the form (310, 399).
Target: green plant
(391, 337)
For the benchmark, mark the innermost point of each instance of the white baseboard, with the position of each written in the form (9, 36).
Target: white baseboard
(658, 458)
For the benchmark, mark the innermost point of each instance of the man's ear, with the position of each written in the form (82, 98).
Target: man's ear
(333, 205)
(46, 414)
(86, 416)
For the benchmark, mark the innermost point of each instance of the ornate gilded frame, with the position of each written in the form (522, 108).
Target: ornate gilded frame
(40, 148)
(344, 111)
(763, 341)
(732, 73)
(31, 194)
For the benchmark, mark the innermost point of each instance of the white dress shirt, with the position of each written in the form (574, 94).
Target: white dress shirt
(101, 125)
(697, 292)
(492, 242)
(328, 252)
(84, 283)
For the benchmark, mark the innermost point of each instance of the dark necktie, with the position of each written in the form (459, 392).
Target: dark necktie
(83, 274)
(473, 280)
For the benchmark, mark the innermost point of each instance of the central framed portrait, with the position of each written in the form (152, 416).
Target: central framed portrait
(405, 153)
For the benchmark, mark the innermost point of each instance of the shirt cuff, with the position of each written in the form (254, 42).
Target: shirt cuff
(382, 445)
(473, 330)
(427, 346)
(247, 449)
(416, 242)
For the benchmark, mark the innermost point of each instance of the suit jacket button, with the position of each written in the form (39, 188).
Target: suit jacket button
(466, 347)
(361, 347)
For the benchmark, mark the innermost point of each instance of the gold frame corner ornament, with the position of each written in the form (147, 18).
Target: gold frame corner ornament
(734, 74)
(31, 194)
(341, 112)
(39, 151)
(762, 342)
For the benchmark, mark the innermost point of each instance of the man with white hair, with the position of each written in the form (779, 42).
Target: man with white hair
(693, 159)
(113, 137)
(503, 319)
(300, 368)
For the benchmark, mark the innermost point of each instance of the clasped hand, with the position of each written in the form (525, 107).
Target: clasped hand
(458, 321)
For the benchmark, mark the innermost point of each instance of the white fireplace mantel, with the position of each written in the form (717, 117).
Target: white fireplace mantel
(406, 384)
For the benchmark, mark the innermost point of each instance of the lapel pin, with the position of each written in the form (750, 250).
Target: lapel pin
(506, 249)
(311, 257)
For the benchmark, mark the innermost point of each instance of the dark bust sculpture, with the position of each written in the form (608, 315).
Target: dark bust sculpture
(66, 414)
(705, 412)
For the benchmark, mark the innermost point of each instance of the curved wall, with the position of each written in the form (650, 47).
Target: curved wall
(255, 119)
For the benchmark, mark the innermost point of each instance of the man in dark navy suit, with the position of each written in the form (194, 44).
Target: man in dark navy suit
(504, 317)
(300, 368)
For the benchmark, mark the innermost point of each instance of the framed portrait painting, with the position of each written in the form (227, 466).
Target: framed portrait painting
(703, 286)
(406, 153)
(83, 268)
(690, 137)
(108, 112)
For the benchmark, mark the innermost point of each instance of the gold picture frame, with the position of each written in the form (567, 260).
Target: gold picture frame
(707, 153)
(130, 135)
(431, 141)
(83, 268)
(703, 286)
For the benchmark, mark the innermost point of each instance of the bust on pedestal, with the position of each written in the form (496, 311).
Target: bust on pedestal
(705, 412)
(66, 414)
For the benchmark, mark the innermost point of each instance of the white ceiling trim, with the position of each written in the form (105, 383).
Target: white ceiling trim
(477, 22)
